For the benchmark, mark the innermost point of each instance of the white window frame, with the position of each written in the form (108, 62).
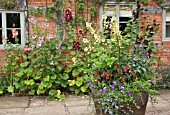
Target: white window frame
(164, 19)
(117, 9)
(4, 27)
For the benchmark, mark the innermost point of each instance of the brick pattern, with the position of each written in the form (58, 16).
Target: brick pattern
(163, 47)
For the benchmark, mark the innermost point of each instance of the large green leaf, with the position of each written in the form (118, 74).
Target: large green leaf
(40, 91)
(51, 98)
(77, 91)
(47, 78)
(68, 69)
(25, 64)
(32, 92)
(76, 72)
(11, 89)
(1, 91)
(71, 82)
(79, 82)
(52, 92)
(71, 88)
(59, 68)
(65, 76)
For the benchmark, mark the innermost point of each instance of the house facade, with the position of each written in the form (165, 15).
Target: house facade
(17, 13)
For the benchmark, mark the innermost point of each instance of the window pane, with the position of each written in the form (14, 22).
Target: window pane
(167, 31)
(13, 20)
(14, 39)
(122, 22)
(125, 11)
(0, 20)
(109, 9)
(124, 19)
(0, 36)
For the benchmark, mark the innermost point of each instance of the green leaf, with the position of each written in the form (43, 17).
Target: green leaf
(77, 91)
(58, 93)
(32, 92)
(71, 88)
(65, 76)
(75, 72)
(63, 84)
(44, 84)
(79, 83)
(59, 68)
(51, 98)
(58, 82)
(1, 91)
(52, 92)
(17, 85)
(19, 74)
(68, 69)
(71, 82)
(53, 77)
(11, 89)
(62, 97)
(25, 64)
(40, 91)
(47, 78)
(72, 52)
(83, 89)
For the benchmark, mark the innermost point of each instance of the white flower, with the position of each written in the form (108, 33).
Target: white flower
(86, 49)
(74, 60)
(88, 25)
(85, 40)
(96, 36)
(104, 17)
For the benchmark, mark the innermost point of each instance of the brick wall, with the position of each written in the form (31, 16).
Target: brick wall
(163, 47)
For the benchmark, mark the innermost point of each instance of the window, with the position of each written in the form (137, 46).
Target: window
(122, 11)
(12, 27)
(166, 25)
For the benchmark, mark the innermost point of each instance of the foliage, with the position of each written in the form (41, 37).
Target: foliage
(165, 82)
(39, 69)
(49, 10)
(8, 4)
(117, 67)
(14, 56)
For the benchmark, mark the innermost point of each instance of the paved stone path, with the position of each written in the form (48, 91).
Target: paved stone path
(72, 105)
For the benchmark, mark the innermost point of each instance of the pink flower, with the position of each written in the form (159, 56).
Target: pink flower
(34, 36)
(51, 63)
(49, 36)
(58, 47)
(14, 32)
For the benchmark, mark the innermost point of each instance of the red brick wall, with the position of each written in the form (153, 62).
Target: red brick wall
(163, 47)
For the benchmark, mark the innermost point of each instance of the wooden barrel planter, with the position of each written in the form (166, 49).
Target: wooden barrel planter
(141, 100)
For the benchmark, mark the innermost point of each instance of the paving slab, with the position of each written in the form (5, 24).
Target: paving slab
(54, 102)
(80, 110)
(46, 110)
(73, 100)
(165, 94)
(13, 102)
(37, 101)
(12, 111)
